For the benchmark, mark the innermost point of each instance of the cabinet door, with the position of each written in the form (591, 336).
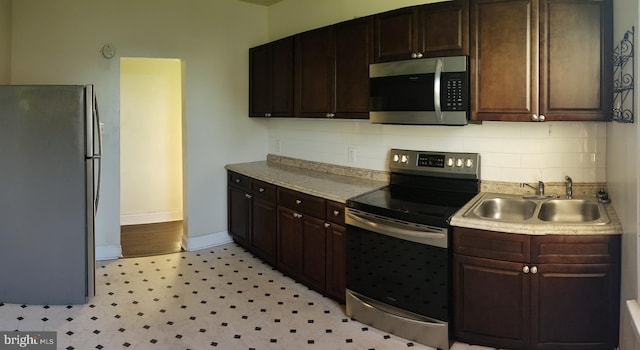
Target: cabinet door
(504, 59)
(444, 29)
(354, 53)
(336, 261)
(282, 69)
(575, 65)
(575, 306)
(491, 302)
(260, 81)
(313, 252)
(264, 229)
(289, 242)
(239, 215)
(315, 68)
(396, 35)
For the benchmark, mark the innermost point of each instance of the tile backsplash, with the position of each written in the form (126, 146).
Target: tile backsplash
(510, 151)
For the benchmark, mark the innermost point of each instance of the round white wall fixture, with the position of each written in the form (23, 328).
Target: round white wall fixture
(108, 51)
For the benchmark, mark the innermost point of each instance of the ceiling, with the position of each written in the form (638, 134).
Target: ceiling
(262, 2)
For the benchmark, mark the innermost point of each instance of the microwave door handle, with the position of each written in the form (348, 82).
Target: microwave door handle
(436, 91)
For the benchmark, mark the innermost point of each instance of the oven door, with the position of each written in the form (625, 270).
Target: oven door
(403, 265)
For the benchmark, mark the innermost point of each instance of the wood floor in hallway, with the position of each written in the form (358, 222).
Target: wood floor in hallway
(151, 239)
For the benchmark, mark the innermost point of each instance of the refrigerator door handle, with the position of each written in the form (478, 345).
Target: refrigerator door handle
(94, 130)
(98, 156)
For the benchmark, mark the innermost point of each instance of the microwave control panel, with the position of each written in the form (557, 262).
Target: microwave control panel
(455, 91)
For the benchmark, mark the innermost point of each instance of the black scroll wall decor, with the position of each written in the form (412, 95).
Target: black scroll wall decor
(623, 79)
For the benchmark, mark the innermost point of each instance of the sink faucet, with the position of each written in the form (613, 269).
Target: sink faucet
(539, 190)
(569, 184)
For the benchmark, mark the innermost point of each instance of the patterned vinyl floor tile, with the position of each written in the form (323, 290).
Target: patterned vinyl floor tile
(216, 298)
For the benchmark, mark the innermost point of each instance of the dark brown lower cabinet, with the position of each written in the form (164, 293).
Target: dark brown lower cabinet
(264, 221)
(300, 234)
(336, 260)
(239, 207)
(252, 215)
(289, 242)
(555, 292)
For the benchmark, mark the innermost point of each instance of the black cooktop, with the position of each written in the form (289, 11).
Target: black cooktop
(428, 207)
(426, 187)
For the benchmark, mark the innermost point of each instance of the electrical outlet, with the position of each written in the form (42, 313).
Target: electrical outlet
(352, 154)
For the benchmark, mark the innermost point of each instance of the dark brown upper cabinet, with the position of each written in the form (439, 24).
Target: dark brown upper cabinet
(438, 29)
(332, 70)
(353, 54)
(315, 79)
(537, 60)
(271, 82)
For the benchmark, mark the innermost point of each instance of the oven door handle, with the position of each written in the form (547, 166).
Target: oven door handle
(431, 236)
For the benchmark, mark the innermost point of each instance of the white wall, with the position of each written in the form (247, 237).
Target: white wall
(5, 41)
(294, 16)
(59, 42)
(513, 152)
(150, 140)
(622, 175)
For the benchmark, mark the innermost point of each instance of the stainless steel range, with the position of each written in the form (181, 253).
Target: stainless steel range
(398, 261)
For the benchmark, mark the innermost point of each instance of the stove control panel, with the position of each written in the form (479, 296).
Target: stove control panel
(444, 164)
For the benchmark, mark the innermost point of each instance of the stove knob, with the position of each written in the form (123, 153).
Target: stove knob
(450, 162)
(459, 162)
(396, 158)
(404, 159)
(468, 163)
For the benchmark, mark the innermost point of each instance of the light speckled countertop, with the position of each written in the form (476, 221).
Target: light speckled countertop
(339, 183)
(459, 219)
(334, 187)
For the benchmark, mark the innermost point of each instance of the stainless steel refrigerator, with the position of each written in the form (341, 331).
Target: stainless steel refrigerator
(50, 149)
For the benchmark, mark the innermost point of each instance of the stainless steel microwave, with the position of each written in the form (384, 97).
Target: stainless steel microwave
(429, 91)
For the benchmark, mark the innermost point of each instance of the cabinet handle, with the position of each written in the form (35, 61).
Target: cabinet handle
(419, 55)
(267, 115)
(327, 225)
(237, 181)
(298, 202)
(261, 190)
(336, 212)
(525, 269)
(248, 196)
(538, 118)
(297, 216)
(534, 269)
(330, 115)
(414, 55)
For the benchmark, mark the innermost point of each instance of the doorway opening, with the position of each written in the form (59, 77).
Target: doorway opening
(151, 166)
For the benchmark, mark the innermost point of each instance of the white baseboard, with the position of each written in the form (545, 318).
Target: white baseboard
(148, 218)
(206, 241)
(108, 252)
(111, 252)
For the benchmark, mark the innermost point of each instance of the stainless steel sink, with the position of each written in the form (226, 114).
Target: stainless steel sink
(540, 211)
(506, 209)
(569, 210)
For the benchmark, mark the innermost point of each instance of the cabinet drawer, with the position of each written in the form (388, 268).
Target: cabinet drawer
(301, 202)
(263, 190)
(492, 245)
(238, 180)
(335, 212)
(575, 249)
